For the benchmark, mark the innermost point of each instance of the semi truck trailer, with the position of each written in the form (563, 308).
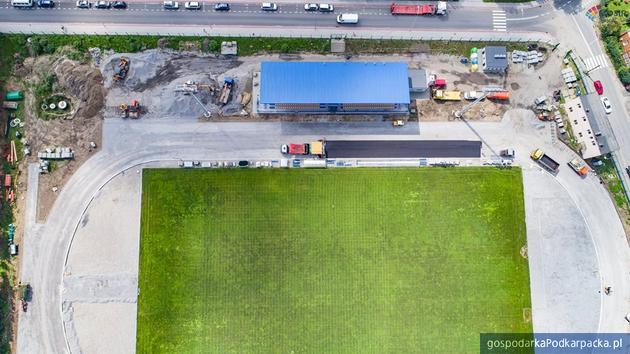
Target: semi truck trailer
(437, 9)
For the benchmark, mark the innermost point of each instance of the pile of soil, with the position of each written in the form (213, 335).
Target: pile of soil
(83, 82)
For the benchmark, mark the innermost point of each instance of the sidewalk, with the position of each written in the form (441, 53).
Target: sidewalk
(262, 31)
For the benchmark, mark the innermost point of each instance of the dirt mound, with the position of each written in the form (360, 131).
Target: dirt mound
(83, 82)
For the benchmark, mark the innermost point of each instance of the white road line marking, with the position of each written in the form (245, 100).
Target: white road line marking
(499, 20)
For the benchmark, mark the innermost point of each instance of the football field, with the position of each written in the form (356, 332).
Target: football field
(330, 260)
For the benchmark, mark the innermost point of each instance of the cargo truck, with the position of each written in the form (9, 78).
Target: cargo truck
(315, 148)
(578, 166)
(437, 9)
(544, 160)
(443, 95)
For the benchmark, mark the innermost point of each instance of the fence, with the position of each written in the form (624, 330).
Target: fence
(293, 32)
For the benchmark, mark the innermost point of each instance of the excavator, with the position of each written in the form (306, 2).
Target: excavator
(121, 70)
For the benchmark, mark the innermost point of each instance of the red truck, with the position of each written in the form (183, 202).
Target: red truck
(438, 9)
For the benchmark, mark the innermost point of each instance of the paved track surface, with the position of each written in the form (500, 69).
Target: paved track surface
(565, 255)
(403, 149)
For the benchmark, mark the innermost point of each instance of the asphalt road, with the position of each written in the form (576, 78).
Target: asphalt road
(403, 149)
(373, 15)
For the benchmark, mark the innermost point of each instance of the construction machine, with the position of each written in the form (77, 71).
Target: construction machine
(228, 82)
(121, 70)
(132, 110)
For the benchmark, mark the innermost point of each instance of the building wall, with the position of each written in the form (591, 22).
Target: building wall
(625, 45)
(334, 108)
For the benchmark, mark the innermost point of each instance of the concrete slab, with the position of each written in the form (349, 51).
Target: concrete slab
(118, 318)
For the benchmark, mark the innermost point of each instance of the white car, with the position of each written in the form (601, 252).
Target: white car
(607, 106)
(192, 5)
(83, 4)
(326, 8)
(269, 6)
(311, 7)
(171, 5)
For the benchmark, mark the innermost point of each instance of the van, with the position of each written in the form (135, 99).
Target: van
(348, 19)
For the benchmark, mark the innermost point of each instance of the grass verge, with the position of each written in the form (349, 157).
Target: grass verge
(432, 47)
(330, 261)
(608, 173)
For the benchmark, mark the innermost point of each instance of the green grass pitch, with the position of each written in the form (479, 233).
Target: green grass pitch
(330, 261)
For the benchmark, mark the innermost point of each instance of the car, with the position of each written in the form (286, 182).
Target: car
(46, 3)
(102, 4)
(598, 87)
(83, 4)
(284, 149)
(171, 5)
(326, 8)
(222, 6)
(628, 171)
(192, 5)
(119, 5)
(311, 7)
(269, 6)
(352, 19)
(606, 104)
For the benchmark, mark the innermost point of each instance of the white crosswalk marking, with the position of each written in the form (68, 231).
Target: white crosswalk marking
(596, 62)
(499, 21)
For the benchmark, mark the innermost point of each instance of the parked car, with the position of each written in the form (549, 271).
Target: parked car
(46, 3)
(119, 5)
(83, 4)
(311, 7)
(222, 6)
(269, 6)
(102, 4)
(598, 87)
(192, 5)
(606, 104)
(171, 5)
(628, 171)
(326, 8)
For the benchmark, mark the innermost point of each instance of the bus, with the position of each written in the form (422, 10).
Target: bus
(22, 3)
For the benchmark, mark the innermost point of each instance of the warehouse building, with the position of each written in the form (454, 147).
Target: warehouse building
(333, 88)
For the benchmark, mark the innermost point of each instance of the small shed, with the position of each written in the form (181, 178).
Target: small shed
(418, 80)
(494, 59)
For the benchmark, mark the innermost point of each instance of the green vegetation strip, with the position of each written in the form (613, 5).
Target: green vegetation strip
(330, 261)
(48, 44)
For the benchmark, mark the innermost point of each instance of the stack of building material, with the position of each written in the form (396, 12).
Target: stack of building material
(568, 75)
(531, 57)
(59, 153)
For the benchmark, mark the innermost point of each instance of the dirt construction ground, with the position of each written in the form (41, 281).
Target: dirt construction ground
(154, 76)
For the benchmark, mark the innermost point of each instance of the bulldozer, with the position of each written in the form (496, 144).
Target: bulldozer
(121, 70)
(132, 110)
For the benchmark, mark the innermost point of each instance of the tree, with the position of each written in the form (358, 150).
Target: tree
(624, 76)
(612, 26)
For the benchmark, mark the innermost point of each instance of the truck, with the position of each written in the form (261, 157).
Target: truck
(443, 95)
(544, 160)
(436, 83)
(228, 82)
(499, 95)
(578, 166)
(472, 95)
(437, 9)
(315, 148)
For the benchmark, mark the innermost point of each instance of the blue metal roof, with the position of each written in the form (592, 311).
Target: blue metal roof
(334, 82)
